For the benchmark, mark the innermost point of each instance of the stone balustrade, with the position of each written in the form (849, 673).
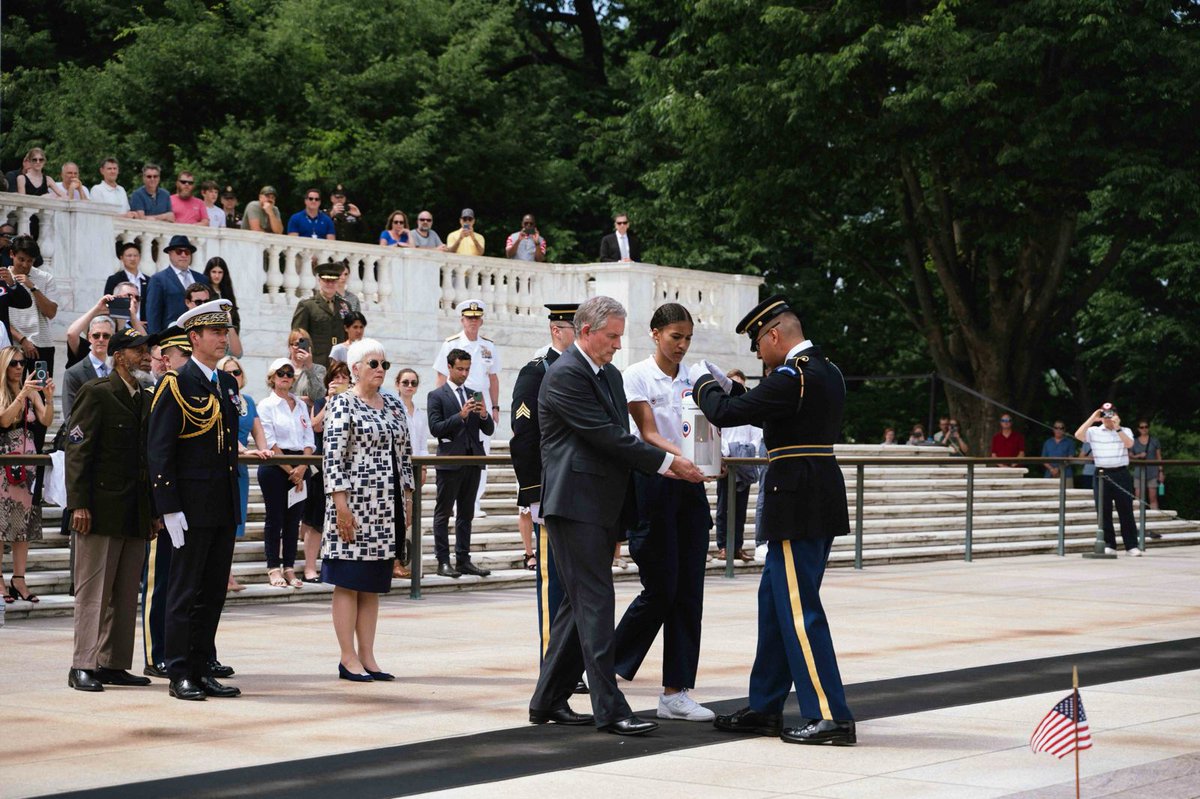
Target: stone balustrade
(408, 295)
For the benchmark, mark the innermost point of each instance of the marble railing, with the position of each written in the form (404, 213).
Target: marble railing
(409, 296)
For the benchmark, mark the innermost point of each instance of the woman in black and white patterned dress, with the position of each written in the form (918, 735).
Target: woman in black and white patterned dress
(369, 482)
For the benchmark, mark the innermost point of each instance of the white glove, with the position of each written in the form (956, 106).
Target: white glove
(725, 382)
(697, 370)
(702, 368)
(175, 523)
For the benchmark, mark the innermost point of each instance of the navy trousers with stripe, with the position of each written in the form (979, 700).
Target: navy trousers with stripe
(154, 598)
(794, 644)
(549, 588)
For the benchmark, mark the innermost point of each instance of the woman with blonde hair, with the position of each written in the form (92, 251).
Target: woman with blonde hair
(33, 181)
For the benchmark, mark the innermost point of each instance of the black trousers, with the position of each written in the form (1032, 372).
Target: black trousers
(456, 489)
(669, 546)
(195, 599)
(1118, 491)
(581, 638)
(281, 528)
(741, 502)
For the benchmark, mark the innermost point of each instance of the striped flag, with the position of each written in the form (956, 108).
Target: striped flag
(1057, 732)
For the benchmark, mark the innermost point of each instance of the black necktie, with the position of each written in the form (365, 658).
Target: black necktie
(462, 396)
(607, 388)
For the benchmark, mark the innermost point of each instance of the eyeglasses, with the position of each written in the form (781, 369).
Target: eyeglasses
(413, 383)
(760, 335)
(397, 222)
(234, 372)
(38, 160)
(11, 364)
(1059, 427)
(424, 218)
(313, 199)
(99, 336)
(623, 222)
(285, 371)
(375, 364)
(468, 219)
(1005, 420)
(186, 182)
(150, 177)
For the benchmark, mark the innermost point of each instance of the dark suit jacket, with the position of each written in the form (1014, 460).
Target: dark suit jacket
(611, 251)
(193, 469)
(119, 276)
(106, 458)
(73, 379)
(164, 298)
(588, 453)
(455, 435)
(14, 296)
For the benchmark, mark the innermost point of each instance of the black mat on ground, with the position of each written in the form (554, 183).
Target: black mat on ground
(526, 750)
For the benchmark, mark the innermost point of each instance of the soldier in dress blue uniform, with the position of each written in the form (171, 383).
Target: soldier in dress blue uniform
(799, 405)
(192, 449)
(526, 450)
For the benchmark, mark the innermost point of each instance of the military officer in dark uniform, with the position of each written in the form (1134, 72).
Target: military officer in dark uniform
(323, 314)
(799, 405)
(192, 456)
(526, 450)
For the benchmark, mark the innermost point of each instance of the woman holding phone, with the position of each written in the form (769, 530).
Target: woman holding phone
(670, 541)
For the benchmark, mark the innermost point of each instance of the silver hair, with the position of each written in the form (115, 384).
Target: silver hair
(357, 352)
(127, 284)
(595, 311)
(102, 320)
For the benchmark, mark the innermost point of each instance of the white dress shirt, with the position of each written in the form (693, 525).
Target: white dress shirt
(102, 368)
(287, 428)
(623, 244)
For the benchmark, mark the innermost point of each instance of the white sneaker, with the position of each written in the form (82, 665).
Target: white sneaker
(1135, 553)
(1109, 551)
(760, 553)
(682, 706)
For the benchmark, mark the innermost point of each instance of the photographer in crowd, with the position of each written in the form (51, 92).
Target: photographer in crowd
(948, 436)
(1110, 448)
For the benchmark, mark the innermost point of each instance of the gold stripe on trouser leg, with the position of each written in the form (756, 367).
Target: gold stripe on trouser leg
(151, 563)
(801, 633)
(544, 594)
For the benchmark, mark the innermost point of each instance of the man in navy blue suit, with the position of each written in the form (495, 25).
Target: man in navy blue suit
(164, 296)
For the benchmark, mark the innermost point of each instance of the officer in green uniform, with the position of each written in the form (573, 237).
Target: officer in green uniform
(322, 315)
(799, 405)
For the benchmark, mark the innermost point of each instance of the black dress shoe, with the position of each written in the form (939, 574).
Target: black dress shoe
(560, 715)
(631, 726)
(218, 669)
(581, 688)
(467, 567)
(446, 570)
(84, 680)
(187, 689)
(119, 677)
(747, 720)
(822, 731)
(213, 688)
(156, 670)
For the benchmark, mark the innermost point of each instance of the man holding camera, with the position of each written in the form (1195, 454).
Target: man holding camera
(322, 315)
(527, 243)
(1110, 449)
(465, 241)
(29, 328)
(948, 435)
(345, 215)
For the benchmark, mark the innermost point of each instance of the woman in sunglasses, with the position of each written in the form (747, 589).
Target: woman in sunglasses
(395, 234)
(407, 383)
(22, 404)
(288, 431)
(249, 428)
(369, 480)
(33, 180)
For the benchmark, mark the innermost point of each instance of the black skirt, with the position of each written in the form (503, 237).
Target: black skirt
(372, 576)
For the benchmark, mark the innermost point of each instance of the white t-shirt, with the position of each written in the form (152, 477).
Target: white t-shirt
(30, 320)
(645, 382)
(1108, 449)
(289, 428)
(216, 216)
(485, 362)
(116, 195)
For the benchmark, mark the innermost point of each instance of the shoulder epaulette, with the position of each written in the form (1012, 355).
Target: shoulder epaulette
(171, 377)
(539, 359)
(786, 369)
(485, 338)
(451, 338)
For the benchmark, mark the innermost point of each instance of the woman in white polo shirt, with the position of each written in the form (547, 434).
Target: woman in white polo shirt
(1110, 449)
(670, 542)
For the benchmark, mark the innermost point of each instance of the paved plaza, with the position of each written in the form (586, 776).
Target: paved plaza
(998, 636)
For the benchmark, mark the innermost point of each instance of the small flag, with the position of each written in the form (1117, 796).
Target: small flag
(1057, 734)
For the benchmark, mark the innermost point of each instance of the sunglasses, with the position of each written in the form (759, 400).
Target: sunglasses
(186, 182)
(398, 222)
(285, 372)
(626, 222)
(1059, 427)
(468, 219)
(374, 363)
(424, 218)
(413, 383)
(11, 364)
(234, 372)
(38, 160)
(99, 336)
(313, 199)
(1006, 421)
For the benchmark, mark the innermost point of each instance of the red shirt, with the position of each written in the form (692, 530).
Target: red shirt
(1008, 447)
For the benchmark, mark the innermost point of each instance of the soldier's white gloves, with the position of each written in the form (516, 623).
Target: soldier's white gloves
(175, 523)
(702, 368)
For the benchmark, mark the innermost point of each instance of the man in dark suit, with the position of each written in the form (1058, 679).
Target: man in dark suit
(130, 256)
(164, 293)
(588, 455)
(621, 244)
(799, 404)
(456, 418)
(108, 497)
(192, 447)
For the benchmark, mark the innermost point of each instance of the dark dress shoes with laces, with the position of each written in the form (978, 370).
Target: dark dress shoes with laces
(560, 715)
(84, 680)
(218, 669)
(156, 670)
(747, 720)
(630, 726)
(190, 690)
(119, 677)
(213, 688)
(822, 731)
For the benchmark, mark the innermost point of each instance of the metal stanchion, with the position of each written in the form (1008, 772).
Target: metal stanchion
(858, 516)
(1098, 548)
(1142, 512)
(970, 509)
(1062, 509)
(414, 546)
(730, 520)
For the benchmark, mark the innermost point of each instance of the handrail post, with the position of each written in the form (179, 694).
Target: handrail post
(858, 516)
(970, 509)
(1098, 547)
(1142, 511)
(1062, 509)
(730, 488)
(414, 545)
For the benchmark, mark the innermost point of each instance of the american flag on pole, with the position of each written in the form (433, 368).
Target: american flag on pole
(1056, 733)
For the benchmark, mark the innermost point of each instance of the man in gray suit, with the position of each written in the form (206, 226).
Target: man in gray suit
(588, 455)
(95, 364)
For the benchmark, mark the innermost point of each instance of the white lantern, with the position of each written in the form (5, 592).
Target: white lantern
(701, 441)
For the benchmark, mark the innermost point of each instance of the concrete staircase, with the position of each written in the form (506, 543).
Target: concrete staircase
(910, 513)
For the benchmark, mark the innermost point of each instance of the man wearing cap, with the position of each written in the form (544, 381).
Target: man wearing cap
(322, 315)
(192, 447)
(262, 214)
(345, 214)
(465, 241)
(799, 405)
(312, 222)
(485, 371)
(164, 292)
(1110, 443)
(108, 500)
(526, 449)
(229, 204)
